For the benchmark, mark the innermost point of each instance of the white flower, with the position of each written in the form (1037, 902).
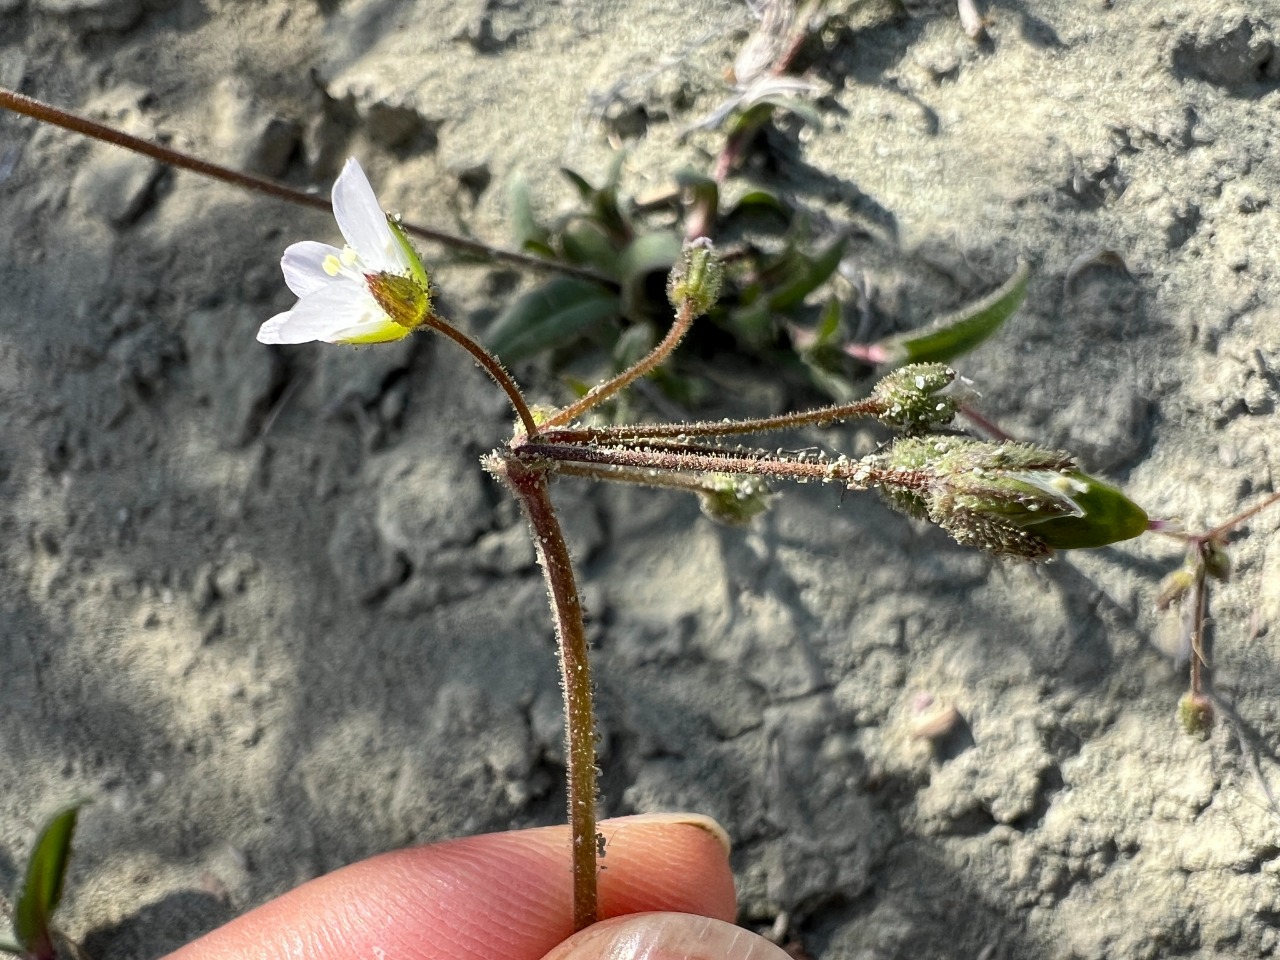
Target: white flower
(373, 290)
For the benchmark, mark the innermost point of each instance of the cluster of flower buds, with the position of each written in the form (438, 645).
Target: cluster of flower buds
(1012, 499)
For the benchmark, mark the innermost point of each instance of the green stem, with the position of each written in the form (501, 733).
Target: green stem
(529, 485)
(600, 392)
(57, 117)
(491, 366)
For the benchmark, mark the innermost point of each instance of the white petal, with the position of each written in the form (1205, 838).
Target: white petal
(303, 266)
(363, 223)
(323, 315)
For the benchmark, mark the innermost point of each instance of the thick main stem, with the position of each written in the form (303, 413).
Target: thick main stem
(529, 484)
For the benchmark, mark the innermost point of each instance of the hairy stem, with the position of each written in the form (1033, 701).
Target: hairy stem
(852, 473)
(491, 366)
(55, 116)
(645, 478)
(602, 391)
(639, 432)
(529, 484)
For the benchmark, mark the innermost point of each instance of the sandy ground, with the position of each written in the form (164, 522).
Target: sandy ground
(262, 605)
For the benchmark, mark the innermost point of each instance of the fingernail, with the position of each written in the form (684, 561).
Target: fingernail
(687, 819)
(666, 936)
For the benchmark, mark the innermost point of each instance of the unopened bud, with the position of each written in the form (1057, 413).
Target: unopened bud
(1195, 715)
(1012, 499)
(695, 279)
(732, 500)
(909, 398)
(1217, 562)
(1174, 588)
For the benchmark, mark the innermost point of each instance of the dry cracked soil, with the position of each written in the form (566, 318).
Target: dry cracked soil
(262, 605)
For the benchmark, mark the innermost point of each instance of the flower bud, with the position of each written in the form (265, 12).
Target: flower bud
(1175, 587)
(1195, 714)
(909, 399)
(1013, 499)
(733, 500)
(1217, 562)
(695, 279)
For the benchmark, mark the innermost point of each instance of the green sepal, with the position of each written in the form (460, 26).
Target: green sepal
(1107, 516)
(418, 271)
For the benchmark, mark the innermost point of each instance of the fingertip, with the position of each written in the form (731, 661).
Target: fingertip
(666, 936)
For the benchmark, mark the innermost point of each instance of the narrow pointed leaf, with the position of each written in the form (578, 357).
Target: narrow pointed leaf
(957, 334)
(809, 274)
(803, 109)
(529, 233)
(585, 242)
(550, 316)
(42, 887)
(585, 190)
(13, 948)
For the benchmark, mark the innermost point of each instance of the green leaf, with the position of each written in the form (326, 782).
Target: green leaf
(753, 324)
(702, 196)
(529, 233)
(550, 316)
(828, 324)
(13, 948)
(585, 190)
(586, 242)
(603, 202)
(806, 275)
(960, 332)
(646, 255)
(42, 888)
(803, 109)
(633, 345)
(761, 200)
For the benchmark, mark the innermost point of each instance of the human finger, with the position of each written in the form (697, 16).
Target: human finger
(666, 936)
(503, 896)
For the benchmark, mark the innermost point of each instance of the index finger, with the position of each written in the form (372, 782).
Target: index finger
(503, 896)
